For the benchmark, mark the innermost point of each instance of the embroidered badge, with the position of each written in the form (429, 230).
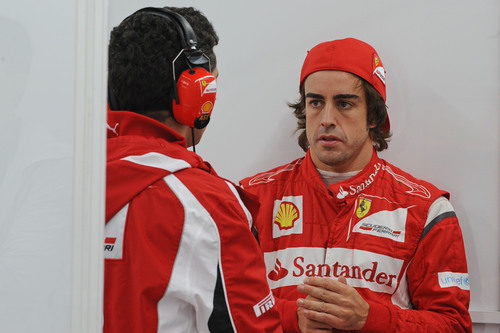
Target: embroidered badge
(363, 207)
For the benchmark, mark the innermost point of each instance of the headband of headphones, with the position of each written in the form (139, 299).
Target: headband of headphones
(188, 38)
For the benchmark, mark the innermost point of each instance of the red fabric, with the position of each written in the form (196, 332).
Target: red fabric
(134, 285)
(135, 282)
(243, 266)
(372, 254)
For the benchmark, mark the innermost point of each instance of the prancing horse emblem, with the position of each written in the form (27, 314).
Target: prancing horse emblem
(363, 207)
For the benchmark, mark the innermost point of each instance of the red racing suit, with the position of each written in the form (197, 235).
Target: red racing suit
(179, 254)
(395, 238)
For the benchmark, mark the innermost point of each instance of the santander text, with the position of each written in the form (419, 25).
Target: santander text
(350, 272)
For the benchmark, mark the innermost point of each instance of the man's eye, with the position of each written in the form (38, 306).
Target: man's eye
(344, 104)
(315, 103)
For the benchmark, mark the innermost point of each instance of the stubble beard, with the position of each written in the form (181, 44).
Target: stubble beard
(340, 156)
(333, 158)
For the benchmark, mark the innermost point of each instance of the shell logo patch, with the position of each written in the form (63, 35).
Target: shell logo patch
(207, 107)
(363, 207)
(287, 215)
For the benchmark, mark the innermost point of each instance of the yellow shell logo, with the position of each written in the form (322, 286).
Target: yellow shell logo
(287, 215)
(363, 207)
(206, 107)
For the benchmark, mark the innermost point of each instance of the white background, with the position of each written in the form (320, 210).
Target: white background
(37, 72)
(442, 62)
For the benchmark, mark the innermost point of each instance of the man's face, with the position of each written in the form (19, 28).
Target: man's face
(336, 121)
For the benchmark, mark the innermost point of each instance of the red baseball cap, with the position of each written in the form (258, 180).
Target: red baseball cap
(348, 55)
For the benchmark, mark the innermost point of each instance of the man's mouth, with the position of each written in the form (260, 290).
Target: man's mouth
(329, 140)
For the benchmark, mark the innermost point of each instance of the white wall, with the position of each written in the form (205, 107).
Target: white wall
(52, 134)
(442, 61)
(37, 61)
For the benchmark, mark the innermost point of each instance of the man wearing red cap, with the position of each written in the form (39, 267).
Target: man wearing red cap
(350, 241)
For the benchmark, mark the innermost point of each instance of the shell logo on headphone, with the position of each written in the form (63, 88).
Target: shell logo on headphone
(207, 107)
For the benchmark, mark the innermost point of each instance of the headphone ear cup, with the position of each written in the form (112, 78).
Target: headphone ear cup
(196, 90)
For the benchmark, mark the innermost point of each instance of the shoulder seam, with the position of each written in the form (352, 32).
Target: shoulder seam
(435, 221)
(267, 176)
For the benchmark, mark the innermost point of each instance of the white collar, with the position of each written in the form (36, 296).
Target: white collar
(331, 177)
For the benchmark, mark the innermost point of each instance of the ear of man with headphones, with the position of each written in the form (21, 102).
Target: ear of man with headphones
(194, 90)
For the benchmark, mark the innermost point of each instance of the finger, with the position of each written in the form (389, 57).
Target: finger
(322, 317)
(327, 283)
(319, 306)
(342, 279)
(319, 293)
(311, 298)
(313, 324)
(308, 325)
(319, 326)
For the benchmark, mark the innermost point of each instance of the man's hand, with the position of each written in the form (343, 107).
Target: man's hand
(307, 325)
(333, 303)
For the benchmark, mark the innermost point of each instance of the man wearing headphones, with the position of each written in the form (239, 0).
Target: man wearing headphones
(179, 254)
(350, 241)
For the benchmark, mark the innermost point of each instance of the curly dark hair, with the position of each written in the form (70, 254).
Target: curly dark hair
(141, 51)
(377, 114)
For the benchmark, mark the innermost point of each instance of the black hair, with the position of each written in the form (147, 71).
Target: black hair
(141, 51)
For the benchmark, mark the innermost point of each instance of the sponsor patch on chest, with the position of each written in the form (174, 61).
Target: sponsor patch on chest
(380, 217)
(362, 269)
(287, 216)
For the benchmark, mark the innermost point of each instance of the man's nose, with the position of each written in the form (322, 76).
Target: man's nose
(329, 116)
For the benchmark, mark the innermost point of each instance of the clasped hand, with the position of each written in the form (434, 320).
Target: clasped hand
(330, 304)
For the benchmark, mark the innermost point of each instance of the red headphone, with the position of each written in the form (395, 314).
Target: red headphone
(194, 97)
(195, 89)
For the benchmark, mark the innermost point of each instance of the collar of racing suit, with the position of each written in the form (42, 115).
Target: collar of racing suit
(130, 133)
(345, 190)
(131, 123)
(133, 137)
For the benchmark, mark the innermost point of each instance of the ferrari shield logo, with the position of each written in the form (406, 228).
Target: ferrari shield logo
(363, 207)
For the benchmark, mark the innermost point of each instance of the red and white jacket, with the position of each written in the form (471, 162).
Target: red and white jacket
(179, 254)
(394, 237)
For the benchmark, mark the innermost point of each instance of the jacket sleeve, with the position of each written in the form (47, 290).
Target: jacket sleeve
(437, 280)
(288, 314)
(287, 309)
